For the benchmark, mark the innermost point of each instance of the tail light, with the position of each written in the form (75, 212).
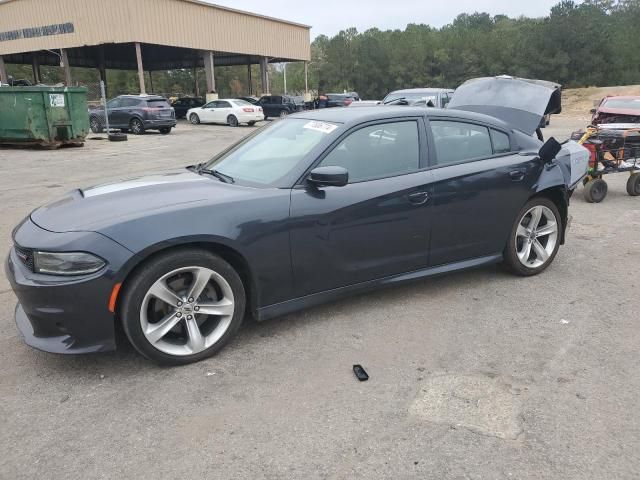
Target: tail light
(259, 109)
(322, 97)
(247, 109)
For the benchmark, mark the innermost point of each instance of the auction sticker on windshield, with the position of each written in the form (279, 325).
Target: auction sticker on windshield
(321, 127)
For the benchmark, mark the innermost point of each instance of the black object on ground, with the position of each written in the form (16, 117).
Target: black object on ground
(360, 373)
(117, 137)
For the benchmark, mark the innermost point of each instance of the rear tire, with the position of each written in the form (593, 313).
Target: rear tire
(535, 238)
(251, 124)
(595, 190)
(232, 121)
(165, 130)
(186, 338)
(633, 185)
(194, 119)
(136, 126)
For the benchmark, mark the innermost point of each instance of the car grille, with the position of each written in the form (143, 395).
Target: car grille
(25, 255)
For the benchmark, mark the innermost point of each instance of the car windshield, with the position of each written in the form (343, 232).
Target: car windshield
(272, 152)
(626, 103)
(410, 97)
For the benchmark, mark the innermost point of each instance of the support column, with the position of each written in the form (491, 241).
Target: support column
(307, 95)
(151, 81)
(143, 90)
(209, 71)
(102, 69)
(249, 79)
(196, 87)
(3, 72)
(264, 74)
(284, 71)
(35, 66)
(64, 63)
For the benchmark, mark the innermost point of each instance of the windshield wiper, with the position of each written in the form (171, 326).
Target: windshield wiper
(219, 175)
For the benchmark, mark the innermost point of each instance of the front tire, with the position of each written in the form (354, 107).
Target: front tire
(165, 130)
(535, 237)
(194, 119)
(283, 114)
(183, 306)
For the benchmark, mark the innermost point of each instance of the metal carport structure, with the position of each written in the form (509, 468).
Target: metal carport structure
(145, 35)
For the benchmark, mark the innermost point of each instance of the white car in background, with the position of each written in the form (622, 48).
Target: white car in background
(230, 111)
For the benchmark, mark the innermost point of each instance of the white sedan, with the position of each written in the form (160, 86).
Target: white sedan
(229, 111)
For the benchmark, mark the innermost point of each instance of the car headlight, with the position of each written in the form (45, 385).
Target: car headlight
(66, 263)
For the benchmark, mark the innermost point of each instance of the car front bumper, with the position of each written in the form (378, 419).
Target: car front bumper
(61, 314)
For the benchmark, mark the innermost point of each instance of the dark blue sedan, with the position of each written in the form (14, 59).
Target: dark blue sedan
(306, 210)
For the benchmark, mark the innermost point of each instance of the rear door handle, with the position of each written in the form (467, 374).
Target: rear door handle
(516, 175)
(418, 198)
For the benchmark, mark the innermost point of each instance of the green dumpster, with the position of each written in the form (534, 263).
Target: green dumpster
(44, 116)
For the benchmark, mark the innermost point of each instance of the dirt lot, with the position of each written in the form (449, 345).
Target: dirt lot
(475, 375)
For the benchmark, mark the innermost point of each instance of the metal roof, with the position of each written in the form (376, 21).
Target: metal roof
(34, 25)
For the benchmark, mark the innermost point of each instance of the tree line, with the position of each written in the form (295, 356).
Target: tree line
(593, 43)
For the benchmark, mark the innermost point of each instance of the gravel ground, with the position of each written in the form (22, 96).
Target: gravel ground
(477, 375)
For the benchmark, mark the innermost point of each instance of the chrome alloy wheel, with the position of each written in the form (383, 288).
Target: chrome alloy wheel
(187, 311)
(536, 236)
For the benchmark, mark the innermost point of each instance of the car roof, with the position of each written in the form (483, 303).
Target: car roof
(423, 90)
(143, 97)
(350, 116)
(623, 97)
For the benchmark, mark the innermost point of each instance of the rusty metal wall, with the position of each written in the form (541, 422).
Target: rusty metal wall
(180, 23)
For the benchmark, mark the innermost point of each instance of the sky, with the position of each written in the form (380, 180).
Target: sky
(328, 17)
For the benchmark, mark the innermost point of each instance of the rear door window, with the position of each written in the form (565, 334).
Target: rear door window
(129, 102)
(459, 141)
(223, 104)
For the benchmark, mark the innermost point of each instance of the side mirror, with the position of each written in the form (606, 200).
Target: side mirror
(593, 111)
(329, 176)
(549, 150)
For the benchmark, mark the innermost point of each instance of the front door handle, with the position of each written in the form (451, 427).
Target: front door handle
(517, 175)
(418, 198)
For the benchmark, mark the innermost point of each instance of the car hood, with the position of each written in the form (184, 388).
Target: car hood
(520, 102)
(95, 208)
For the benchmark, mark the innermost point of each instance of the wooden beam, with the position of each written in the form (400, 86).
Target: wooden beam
(143, 90)
(306, 77)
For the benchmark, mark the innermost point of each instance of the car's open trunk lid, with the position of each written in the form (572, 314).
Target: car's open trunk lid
(520, 102)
